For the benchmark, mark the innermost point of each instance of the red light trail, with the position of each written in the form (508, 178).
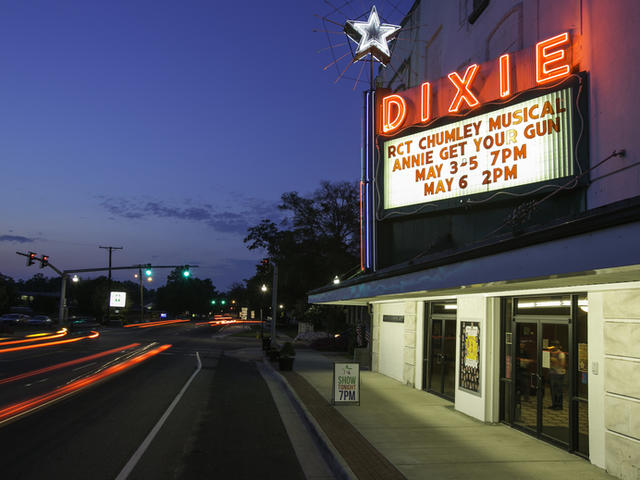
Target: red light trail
(154, 324)
(21, 408)
(34, 339)
(66, 364)
(48, 344)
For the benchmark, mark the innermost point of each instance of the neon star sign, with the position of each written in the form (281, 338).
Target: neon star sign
(372, 37)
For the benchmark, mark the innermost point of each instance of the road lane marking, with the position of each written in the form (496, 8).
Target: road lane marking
(39, 381)
(133, 461)
(84, 366)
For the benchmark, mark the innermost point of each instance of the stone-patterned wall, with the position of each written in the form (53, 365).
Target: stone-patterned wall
(621, 312)
(409, 368)
(375, 339)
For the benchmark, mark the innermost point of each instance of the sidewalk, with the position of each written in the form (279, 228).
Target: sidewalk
(398, 431)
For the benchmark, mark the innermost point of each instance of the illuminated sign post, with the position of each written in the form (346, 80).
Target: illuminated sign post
(118, 299)
(372, 38)
(524, 143)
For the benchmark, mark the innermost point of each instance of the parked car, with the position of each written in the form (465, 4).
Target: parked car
(40, 321)
(14, 319)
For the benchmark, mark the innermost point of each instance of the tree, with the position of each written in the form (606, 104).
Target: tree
(318, 240)
(185, 294)
(8, 293)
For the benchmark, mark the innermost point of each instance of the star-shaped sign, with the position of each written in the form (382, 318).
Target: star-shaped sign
(372, 37)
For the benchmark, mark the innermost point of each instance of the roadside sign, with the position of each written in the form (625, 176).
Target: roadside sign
(346, 383)
(118, 299)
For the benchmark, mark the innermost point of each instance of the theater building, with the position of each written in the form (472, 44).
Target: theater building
(501, 218)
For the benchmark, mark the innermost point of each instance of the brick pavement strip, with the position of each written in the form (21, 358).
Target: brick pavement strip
(365, 461)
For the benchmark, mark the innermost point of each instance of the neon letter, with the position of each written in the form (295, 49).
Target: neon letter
(425, 112)
(388, 123)
(505, 75)
(545, 58)
(463, 84)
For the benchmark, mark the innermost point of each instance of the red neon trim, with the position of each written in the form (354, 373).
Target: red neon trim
(462, 85)
(66, 364)
(389, 124)
(545, 58)
(361, 228)
(425, 111)
(505, 75)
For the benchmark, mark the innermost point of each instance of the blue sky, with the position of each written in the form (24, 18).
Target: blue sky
(165, 127)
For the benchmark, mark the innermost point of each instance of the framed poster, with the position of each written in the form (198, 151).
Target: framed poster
(470, 357)
(346, 383)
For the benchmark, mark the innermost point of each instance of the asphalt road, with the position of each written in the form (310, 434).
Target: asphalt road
(224, 423)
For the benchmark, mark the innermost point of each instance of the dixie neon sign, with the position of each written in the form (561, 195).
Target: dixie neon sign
(551, 63)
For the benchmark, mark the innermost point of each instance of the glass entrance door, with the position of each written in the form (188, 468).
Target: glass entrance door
(442, 357)
(542, 386)
(544, 368)
(527, 376)
(555, 396)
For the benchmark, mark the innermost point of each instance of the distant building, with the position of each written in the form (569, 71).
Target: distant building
(501, 261)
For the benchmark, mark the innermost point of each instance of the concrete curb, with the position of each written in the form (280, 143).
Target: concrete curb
(334, 460)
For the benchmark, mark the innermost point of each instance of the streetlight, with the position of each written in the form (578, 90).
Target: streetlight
(263, 289)
(336, 280)
(75, 279)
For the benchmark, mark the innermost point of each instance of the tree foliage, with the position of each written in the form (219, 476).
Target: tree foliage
(185, 294)
(318, 239)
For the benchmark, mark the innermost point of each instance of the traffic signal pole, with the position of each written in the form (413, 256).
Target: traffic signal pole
(64, 274)
(62, 307)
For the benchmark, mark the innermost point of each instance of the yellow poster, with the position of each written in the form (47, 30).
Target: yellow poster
(471, 347)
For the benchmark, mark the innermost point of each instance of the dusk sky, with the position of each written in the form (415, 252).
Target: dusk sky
(166, 128)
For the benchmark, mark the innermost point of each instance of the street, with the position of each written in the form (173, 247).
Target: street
(197, 408)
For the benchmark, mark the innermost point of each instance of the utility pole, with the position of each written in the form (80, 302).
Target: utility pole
(110, 250)
(109, 284)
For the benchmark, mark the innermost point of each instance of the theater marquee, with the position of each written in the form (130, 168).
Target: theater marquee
(524, 143)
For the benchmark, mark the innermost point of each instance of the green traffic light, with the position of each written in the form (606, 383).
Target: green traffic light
(186, 273)
(223, 302)
(213, 302)
(148, 272)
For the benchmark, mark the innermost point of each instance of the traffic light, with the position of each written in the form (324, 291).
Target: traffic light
(44, 261)
(185, 272)
(213, 302)
(148, 272)
(31, 258)
(265, 262)
(223, 302)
